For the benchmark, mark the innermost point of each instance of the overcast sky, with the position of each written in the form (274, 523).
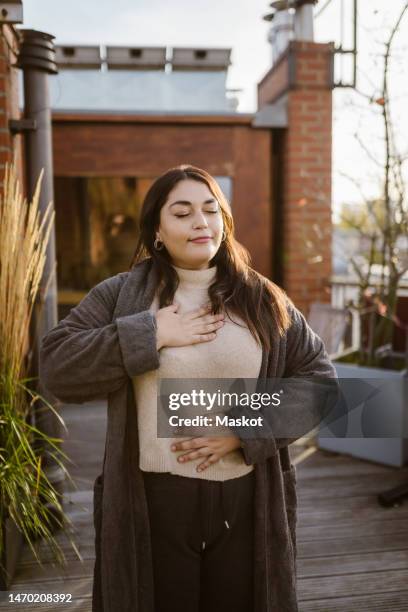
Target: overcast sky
(238, 24)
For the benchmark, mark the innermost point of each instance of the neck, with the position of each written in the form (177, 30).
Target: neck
(196, 276)
(204, 266)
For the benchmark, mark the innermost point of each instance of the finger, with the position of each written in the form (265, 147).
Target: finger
(200, 312)
(211, 318)
(209, 327)
(199, 328)
(204, 323)
(209, 461)
(201, 452)
(191, 443)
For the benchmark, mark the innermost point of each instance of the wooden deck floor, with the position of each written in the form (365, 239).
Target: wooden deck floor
(352, 554)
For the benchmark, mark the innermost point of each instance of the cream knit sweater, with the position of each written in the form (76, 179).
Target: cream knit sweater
(232, 354)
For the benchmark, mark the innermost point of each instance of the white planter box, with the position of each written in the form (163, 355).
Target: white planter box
(388, 412)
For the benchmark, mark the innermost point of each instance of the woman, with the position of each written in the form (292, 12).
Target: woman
(202, 523)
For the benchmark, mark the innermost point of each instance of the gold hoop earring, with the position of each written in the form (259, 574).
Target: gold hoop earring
(157, 247)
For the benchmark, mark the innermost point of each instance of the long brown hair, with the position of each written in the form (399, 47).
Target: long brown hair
(259, 302)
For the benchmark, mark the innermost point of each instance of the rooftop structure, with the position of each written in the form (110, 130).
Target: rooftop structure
(141, 79)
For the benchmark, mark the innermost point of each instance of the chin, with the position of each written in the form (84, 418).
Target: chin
(206, 254)
(202, 260)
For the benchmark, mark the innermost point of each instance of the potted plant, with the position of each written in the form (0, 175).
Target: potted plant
(382, 224)
(27, 498)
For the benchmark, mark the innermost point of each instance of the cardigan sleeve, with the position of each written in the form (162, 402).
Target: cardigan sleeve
(305, 357)
(87, 355)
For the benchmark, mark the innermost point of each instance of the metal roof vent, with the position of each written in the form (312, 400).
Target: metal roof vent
(291, 20)
(139, 58)
(78, 57)
(188, 58)
(11, 12)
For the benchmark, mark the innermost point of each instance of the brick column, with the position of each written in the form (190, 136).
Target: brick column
(303, 76)
(10, 146)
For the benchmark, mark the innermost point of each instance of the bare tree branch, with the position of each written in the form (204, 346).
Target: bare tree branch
(389, 224)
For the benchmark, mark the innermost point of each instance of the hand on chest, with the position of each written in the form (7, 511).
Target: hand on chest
(233, 353)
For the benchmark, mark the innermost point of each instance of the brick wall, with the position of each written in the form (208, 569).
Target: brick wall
(304, 74)
(10, 146)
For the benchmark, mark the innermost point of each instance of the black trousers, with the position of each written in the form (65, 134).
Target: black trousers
(202, 542)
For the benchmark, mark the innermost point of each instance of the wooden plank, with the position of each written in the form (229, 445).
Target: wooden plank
(364, 484)
(352, 564)
(339, 514)
(357, 527)
(352, 545)
(86, 549)
(328, 469)
(345, 465)
(78, 586)
(84, 496)
(357, 504)
(324, 456)
(50, 571)
(378, 602)
(364, 583)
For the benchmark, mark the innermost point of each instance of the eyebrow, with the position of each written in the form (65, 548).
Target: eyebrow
(187, 203)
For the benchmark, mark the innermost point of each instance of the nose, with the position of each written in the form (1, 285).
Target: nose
(200, 220)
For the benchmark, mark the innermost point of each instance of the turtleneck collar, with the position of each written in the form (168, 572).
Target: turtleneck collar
(198, 278)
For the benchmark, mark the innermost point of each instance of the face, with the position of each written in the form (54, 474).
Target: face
(190, 211)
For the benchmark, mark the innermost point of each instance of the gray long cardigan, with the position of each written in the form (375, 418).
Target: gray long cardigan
(93, 353)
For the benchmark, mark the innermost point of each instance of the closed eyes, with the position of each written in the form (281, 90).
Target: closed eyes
(212, 212)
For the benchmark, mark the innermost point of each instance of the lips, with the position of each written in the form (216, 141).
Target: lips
(201, 239)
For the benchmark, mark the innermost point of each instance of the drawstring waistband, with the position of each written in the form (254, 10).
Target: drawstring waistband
(201, 506)
(223, 508)
(224, 513)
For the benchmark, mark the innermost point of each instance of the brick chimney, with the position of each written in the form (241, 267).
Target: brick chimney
(302, 80)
